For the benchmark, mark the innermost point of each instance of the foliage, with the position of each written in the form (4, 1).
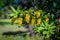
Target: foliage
(16, 14)
(45, 29)
(38, 19)
(43, 20)
(27, 15)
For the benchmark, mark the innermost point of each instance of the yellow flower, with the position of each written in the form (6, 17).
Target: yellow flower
(13, 20)
(38, 21)
(32, 21)
(47, 19)
(20, 20)
(37, 14)
(58, 27)
(27, 18)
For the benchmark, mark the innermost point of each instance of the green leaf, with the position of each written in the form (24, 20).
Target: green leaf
(18, 9)
(46, 24)
(15, 16)
(31, 10)
(40, 28)
(26, 11)
(38, 31)
(40, 11)
(52, 27)
(13, 9)
(51, 24)
(11, 15)
(51, 32)
(48, 35)
(44, 32)
(48, 14)
(43, 24)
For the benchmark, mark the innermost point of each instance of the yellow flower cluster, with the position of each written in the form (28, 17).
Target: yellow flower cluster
(27, 18)
(38, 21)
(58, 27)
(37, 14)
(47, 19)
(33, 21)
(20, 20)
